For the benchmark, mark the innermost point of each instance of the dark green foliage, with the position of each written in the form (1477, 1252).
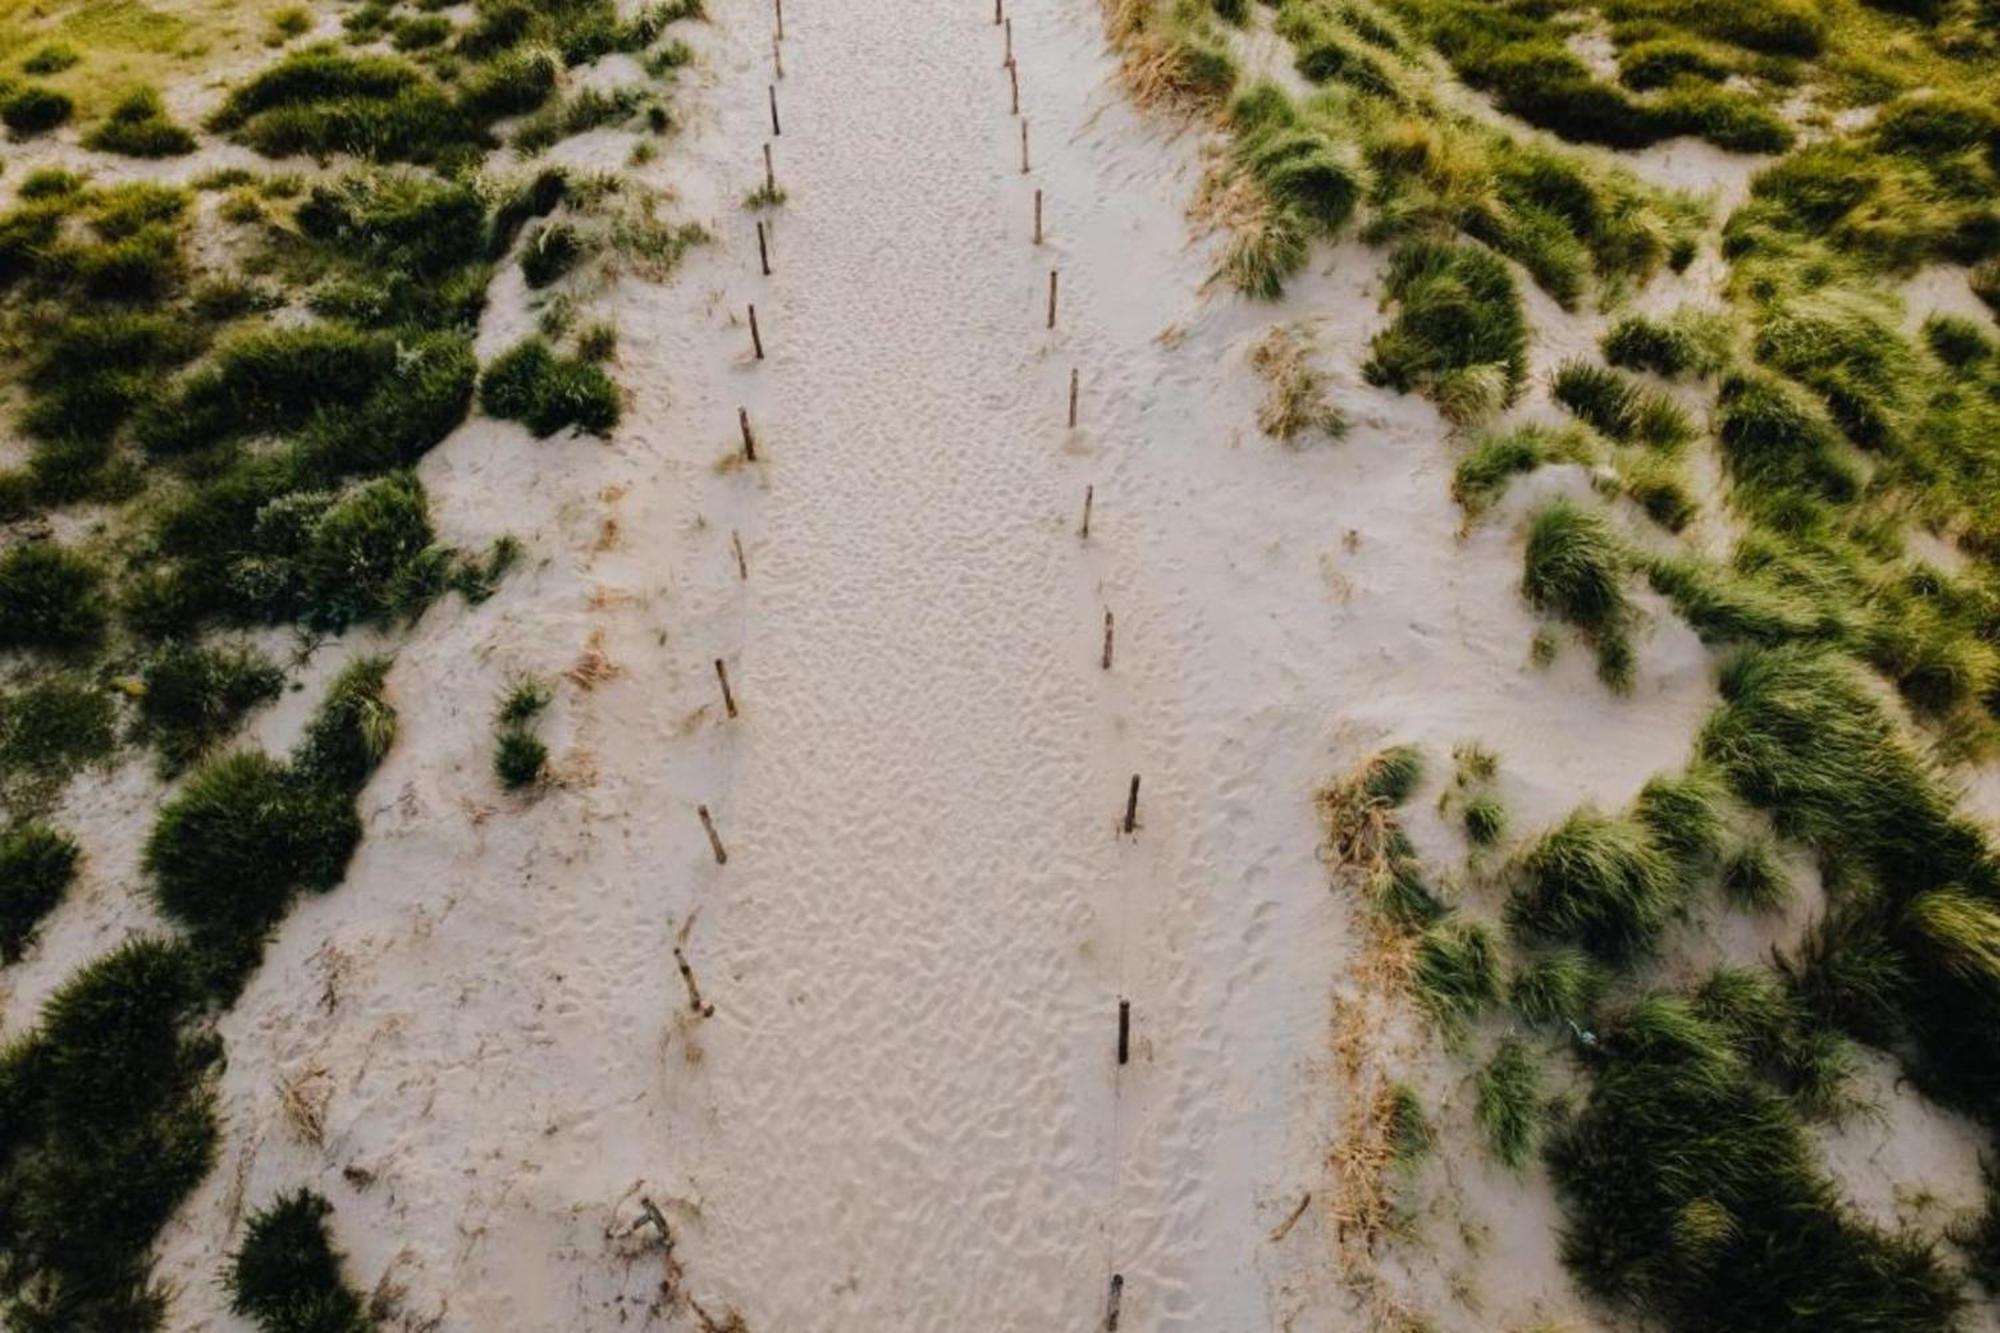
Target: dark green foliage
(319, 101)
(1456, 973)
(1485, 820)
(1574, 567)
(417, 34)
(1307, 172)
(400, 221)
(194, 696)
(287, 1276)
(1683, 813)
(367, 556)
(1959, 343)
(1774, 440)
(50, 598)
(1658, 63)
(519, 758)
(1509, 1103)
(1690, 1191)
(1411, 1137)
(35, 110)
(108, 1124)
(547, 393)
(94, 370)
(51, 59)
(50, 183)
(1492, 464)
(1556, 987)
(1599, 881)
(551, 252)
(266, 382)
(512, 85)
(53, 725)
(138, 127)
(37, 864)
(1392, 776)
(1728, 607)
(1690, 341)
(524, 701)
(536, 198)
(1459, 313)
(1619, 408)
(1755, 880)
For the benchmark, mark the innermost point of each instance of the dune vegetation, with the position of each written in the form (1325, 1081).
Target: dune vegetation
(222, 382)
(1842, 577)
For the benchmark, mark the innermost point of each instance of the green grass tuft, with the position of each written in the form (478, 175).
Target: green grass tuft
(1459, 313)
(288, 1277)
(37, 864)
(1509, 1103)
(548, 393)
(1574, 567)
(1601, 882)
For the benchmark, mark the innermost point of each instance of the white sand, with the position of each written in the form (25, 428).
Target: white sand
(905, 1113)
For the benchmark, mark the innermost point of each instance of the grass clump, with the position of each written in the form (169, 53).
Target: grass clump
(1776, 444)
(34, 110)
(51, 598)
(193, 696)
(319, 101)
(287, 1276)
(548, 393)
(1509, 1103)
(1754, 879)
(53, 724)
(37, 864)
(1690, 1191)
(1485, 820)
(1562, 986)
(1620, 409)
(1459, 333)
(550, 253)
(110, 1123)
(1483, 474)
(1690, 341)
(1574, 567)
(1456, 973)
(138, 126)
(520, 759)
(1601, 882)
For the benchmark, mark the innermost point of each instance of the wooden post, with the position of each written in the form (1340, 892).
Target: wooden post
(1124, 1031)
(722, 675)
(749, 440)
(1132, 805)
(1089, 494)
(1052, 298)
(1014, 81)
(763, 250)
(1009, 59)
(1107, 641)
(777, 58)
(780, 7)
(1024, 147)
(1073, 383)
(775, 131)
(742, 565)
(706, 1011)
(1038, 217)
(721, 857)
(1117, 1298)
(996, 13)
(756, 338)
(770, 176)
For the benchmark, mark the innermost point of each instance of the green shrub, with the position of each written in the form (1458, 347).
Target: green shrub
(519, 758)
(51, 598)
(1683, 813)
(418, 34)
(35, 110)
(368, 556)
(1773, 439)
(1485, 472)
(1690, 1191)
(1690, 341)
(551, 252)
(532, 385)
(51, 183)
(1456, 974)
(138, 127)
(266, 382)
(1599, 881)
(321, 102)
(1619, 408)
(1459, 311)
(512, 85)
(37, 864)
(193, 697)
(1959, 343)
(1574, 567)
(1558, 987)
(53, 724)
(287, 1276)
(1509, 1103)
(1318, 178)
(93, 370)
(1726, 607)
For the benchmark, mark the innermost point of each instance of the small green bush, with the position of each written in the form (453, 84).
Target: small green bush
(288, 1277)
(1456, 973)
(138, 127)
(193, 697)
(51, 598)
(1601, 882)
(1574, 567)
(53, 724)
(519, 758)
(1690, 341)
(1459, 312)
(1485, 820)
(35, 110)
(532, 385)
(37, 864)
(1562, 986)
(321, 102)
(551, 252)
(1509, 1103)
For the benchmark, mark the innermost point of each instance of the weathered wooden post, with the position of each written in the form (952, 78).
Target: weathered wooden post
(728, 698)
(1132, 805)
(763, 250)
(742, 565)
(1124, 1031)
(1038, 217)
(1052, 297)
(1074, 382)
(756, 338)
(1117, 1298)
(1107, 640)
(1089, 494)
(776, 132)
(714, 841)
(749, 440)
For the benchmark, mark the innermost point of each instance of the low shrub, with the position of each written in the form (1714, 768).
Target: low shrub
(1598, 881)
(550, 253)
(547, 393)
(37, 864)
(138, 127)
(287, 1276)
(192, 697)
(53, 725)
(1485, 472)
(519, 758)
(51, 598)
(35, 110)
(1562, 986)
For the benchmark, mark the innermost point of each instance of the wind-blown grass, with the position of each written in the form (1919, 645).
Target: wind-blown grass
(1459, 333)
(1509, 1103)
(1601, 882)
(1574, 567)
(37, 864)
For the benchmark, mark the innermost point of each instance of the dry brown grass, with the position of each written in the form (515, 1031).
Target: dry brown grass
(1297, 403)
(593, 665)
